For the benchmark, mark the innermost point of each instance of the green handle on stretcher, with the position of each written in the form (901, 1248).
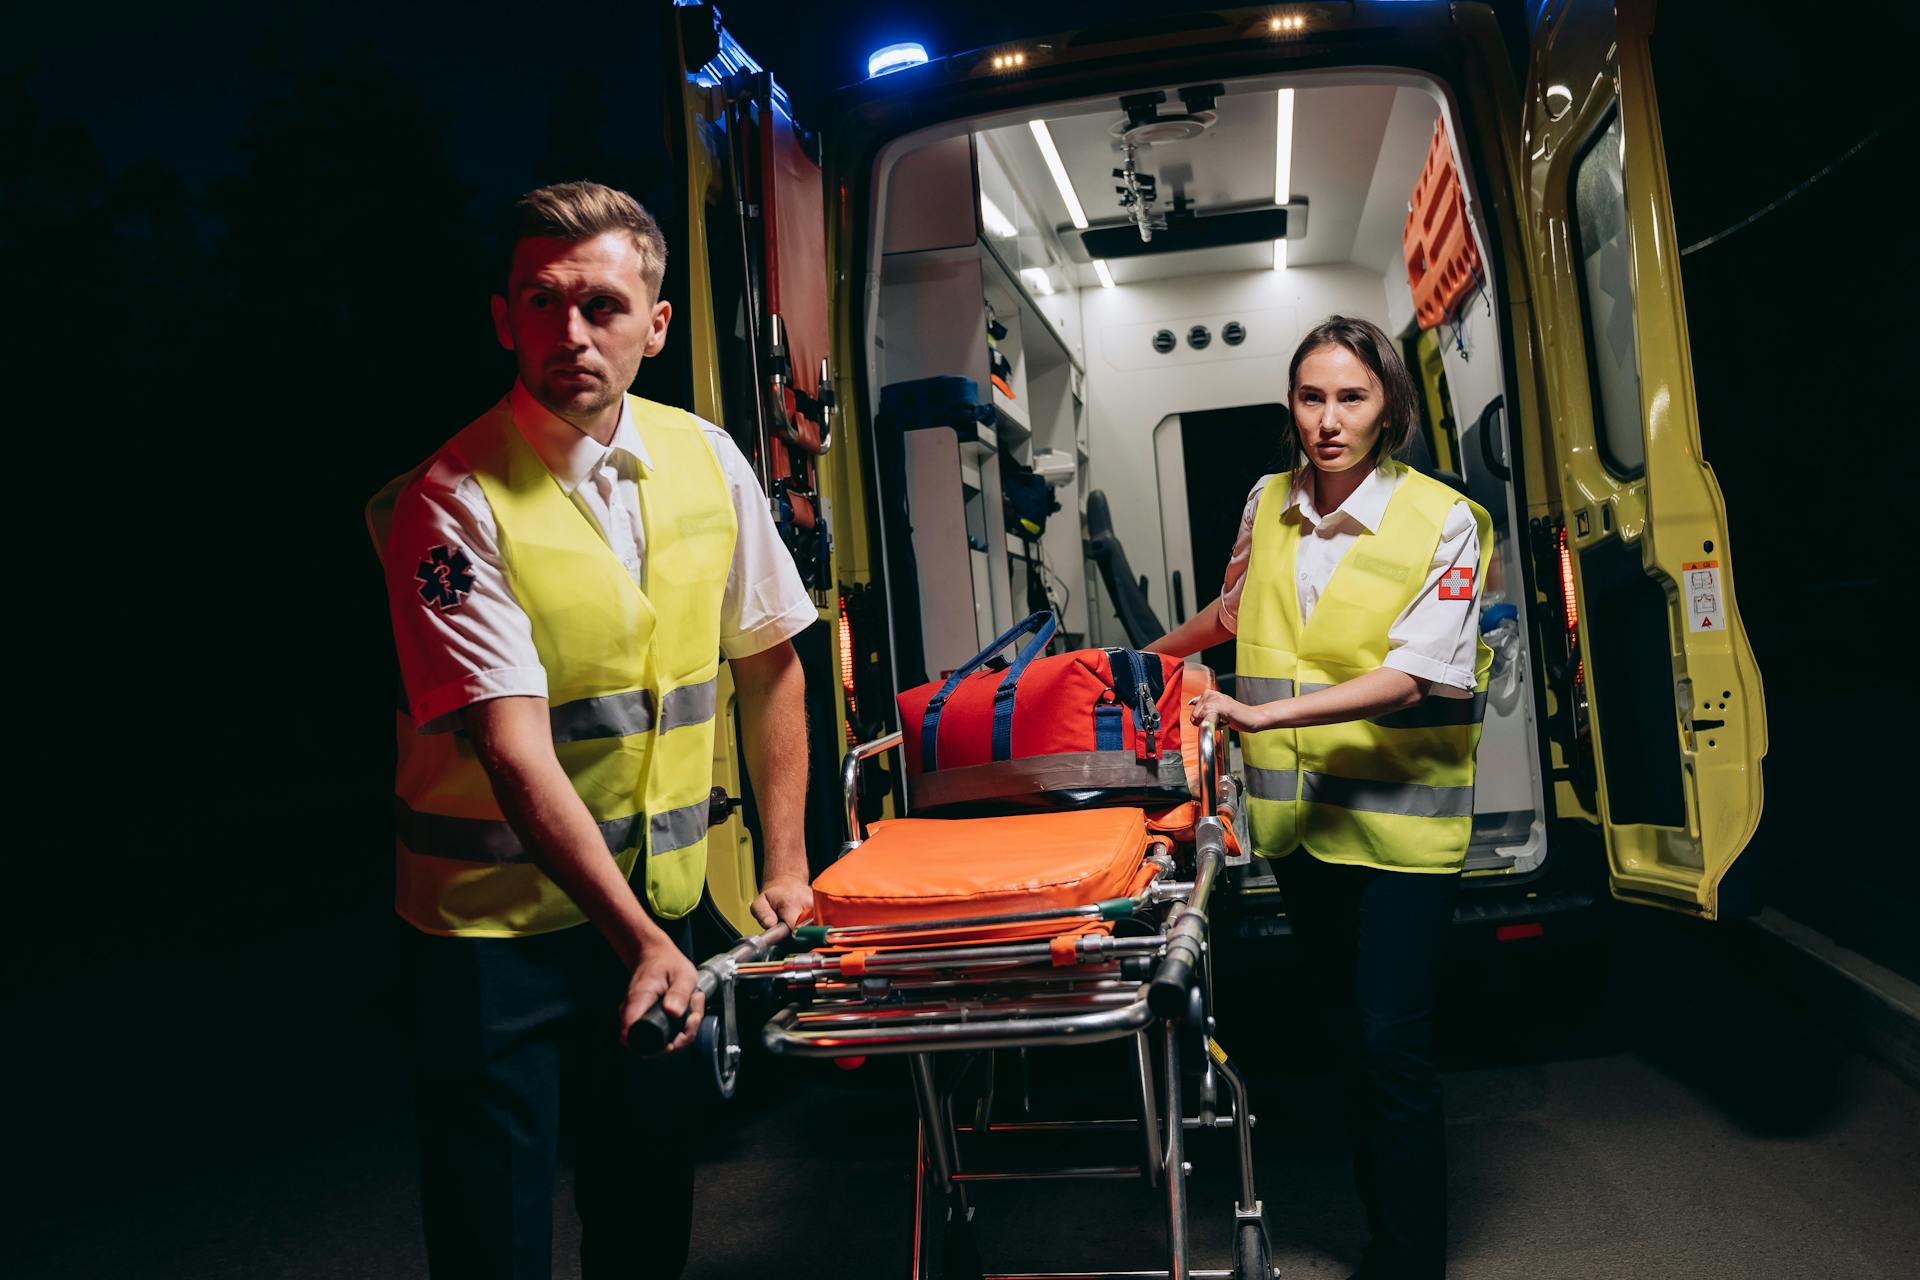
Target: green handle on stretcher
(811, 935)
(1116, 908)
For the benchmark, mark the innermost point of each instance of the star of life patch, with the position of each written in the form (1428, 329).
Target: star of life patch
(1456, 584)
(445, 576)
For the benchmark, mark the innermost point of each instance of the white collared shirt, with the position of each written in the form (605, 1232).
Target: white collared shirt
(481, 647)
(1432, 638)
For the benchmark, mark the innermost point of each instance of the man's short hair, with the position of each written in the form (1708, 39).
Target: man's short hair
(582, 210)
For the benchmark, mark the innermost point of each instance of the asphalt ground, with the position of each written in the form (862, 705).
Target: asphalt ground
(1665, 1108)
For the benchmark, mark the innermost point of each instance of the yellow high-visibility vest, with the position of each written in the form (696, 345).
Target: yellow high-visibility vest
(631, 686)
(1395, 792)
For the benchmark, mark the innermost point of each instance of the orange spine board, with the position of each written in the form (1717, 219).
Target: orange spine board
(1443, 260)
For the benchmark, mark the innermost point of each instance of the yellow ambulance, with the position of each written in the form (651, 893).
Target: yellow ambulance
(1116, 235)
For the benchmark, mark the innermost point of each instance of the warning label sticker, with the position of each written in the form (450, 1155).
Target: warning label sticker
(1700, 587)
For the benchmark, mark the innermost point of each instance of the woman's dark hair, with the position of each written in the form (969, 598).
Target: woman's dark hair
(1373, 348)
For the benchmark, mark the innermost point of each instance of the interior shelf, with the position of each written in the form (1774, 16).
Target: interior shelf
(1007, 291)
(984, 443)
(1010, 419)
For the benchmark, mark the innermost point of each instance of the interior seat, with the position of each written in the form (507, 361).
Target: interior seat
(1129, 594)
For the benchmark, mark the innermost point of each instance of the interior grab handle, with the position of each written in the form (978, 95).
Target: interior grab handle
(1483, 427)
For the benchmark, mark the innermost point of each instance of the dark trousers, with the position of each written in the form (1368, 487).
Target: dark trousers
(500, 1021)
(1372, 941)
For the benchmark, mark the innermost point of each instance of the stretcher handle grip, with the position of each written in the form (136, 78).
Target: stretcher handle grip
(655, 1029)
(1167, 992)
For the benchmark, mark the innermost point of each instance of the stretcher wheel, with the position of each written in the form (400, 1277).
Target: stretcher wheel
(717, 1040)
(1251, 1259)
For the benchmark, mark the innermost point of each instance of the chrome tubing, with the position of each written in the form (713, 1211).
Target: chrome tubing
(850, 784)
(1090, 1126)
(1203, 1273)
(1177, 1260)
(780, 1035)
(1155, 1161)
(1098, 1172)
(897, 1014)
(1093, 946)
(1186, 936)
(1087, 978)
(932, 1120)
(1209, 753)
(1242, 1124)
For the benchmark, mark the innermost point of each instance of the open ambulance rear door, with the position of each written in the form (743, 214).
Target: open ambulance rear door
(1666, 683)
(753, 246)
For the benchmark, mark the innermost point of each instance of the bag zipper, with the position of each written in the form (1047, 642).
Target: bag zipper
(1146, 710)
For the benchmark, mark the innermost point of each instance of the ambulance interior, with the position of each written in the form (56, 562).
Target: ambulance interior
(1144, 379)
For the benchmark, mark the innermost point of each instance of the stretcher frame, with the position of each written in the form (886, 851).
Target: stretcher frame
(983, 997)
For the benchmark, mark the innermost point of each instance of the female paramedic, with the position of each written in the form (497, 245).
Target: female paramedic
(1353, 593)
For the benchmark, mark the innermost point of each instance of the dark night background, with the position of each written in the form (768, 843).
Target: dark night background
(250, 260)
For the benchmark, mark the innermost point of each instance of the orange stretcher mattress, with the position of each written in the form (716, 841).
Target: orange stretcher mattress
(1196, 679)
(912, 869)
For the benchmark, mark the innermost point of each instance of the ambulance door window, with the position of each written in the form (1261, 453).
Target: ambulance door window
(1599, 225)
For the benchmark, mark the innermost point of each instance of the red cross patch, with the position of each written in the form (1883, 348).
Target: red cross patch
(1457, 584)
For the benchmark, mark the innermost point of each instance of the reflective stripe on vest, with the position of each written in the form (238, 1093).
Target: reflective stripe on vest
(1362, 794)
(677, 829)
(1430, 712)
(614, 716)
(689, 704)
(609, 649)
(488, 839)
(1396, 791)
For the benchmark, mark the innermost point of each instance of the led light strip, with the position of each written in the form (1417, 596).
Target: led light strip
(1282, 167)
(1059, 172)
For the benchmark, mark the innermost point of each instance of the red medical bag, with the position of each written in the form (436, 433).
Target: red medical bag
(1090, 727)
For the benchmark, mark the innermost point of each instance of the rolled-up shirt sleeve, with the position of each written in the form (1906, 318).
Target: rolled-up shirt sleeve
(1236, 575)
(765, 601)
(461, 634)
(1435, 638)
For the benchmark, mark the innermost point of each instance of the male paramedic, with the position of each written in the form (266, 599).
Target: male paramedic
(564, 576)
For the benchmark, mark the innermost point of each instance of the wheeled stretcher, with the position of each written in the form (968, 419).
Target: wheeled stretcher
(950, 940)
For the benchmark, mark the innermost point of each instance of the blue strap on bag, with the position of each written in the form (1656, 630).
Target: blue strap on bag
(1044, 624)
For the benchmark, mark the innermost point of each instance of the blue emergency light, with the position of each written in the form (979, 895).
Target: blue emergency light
(894, 57)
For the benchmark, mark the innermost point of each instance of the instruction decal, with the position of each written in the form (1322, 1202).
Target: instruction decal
(1700, 587)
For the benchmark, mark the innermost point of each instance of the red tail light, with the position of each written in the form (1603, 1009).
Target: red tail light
(1566, 584)
(846, 670)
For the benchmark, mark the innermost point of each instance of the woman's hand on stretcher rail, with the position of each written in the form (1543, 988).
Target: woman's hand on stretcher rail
(1378, 692)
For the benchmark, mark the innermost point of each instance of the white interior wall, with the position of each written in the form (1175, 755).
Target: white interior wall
(1131, 387)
